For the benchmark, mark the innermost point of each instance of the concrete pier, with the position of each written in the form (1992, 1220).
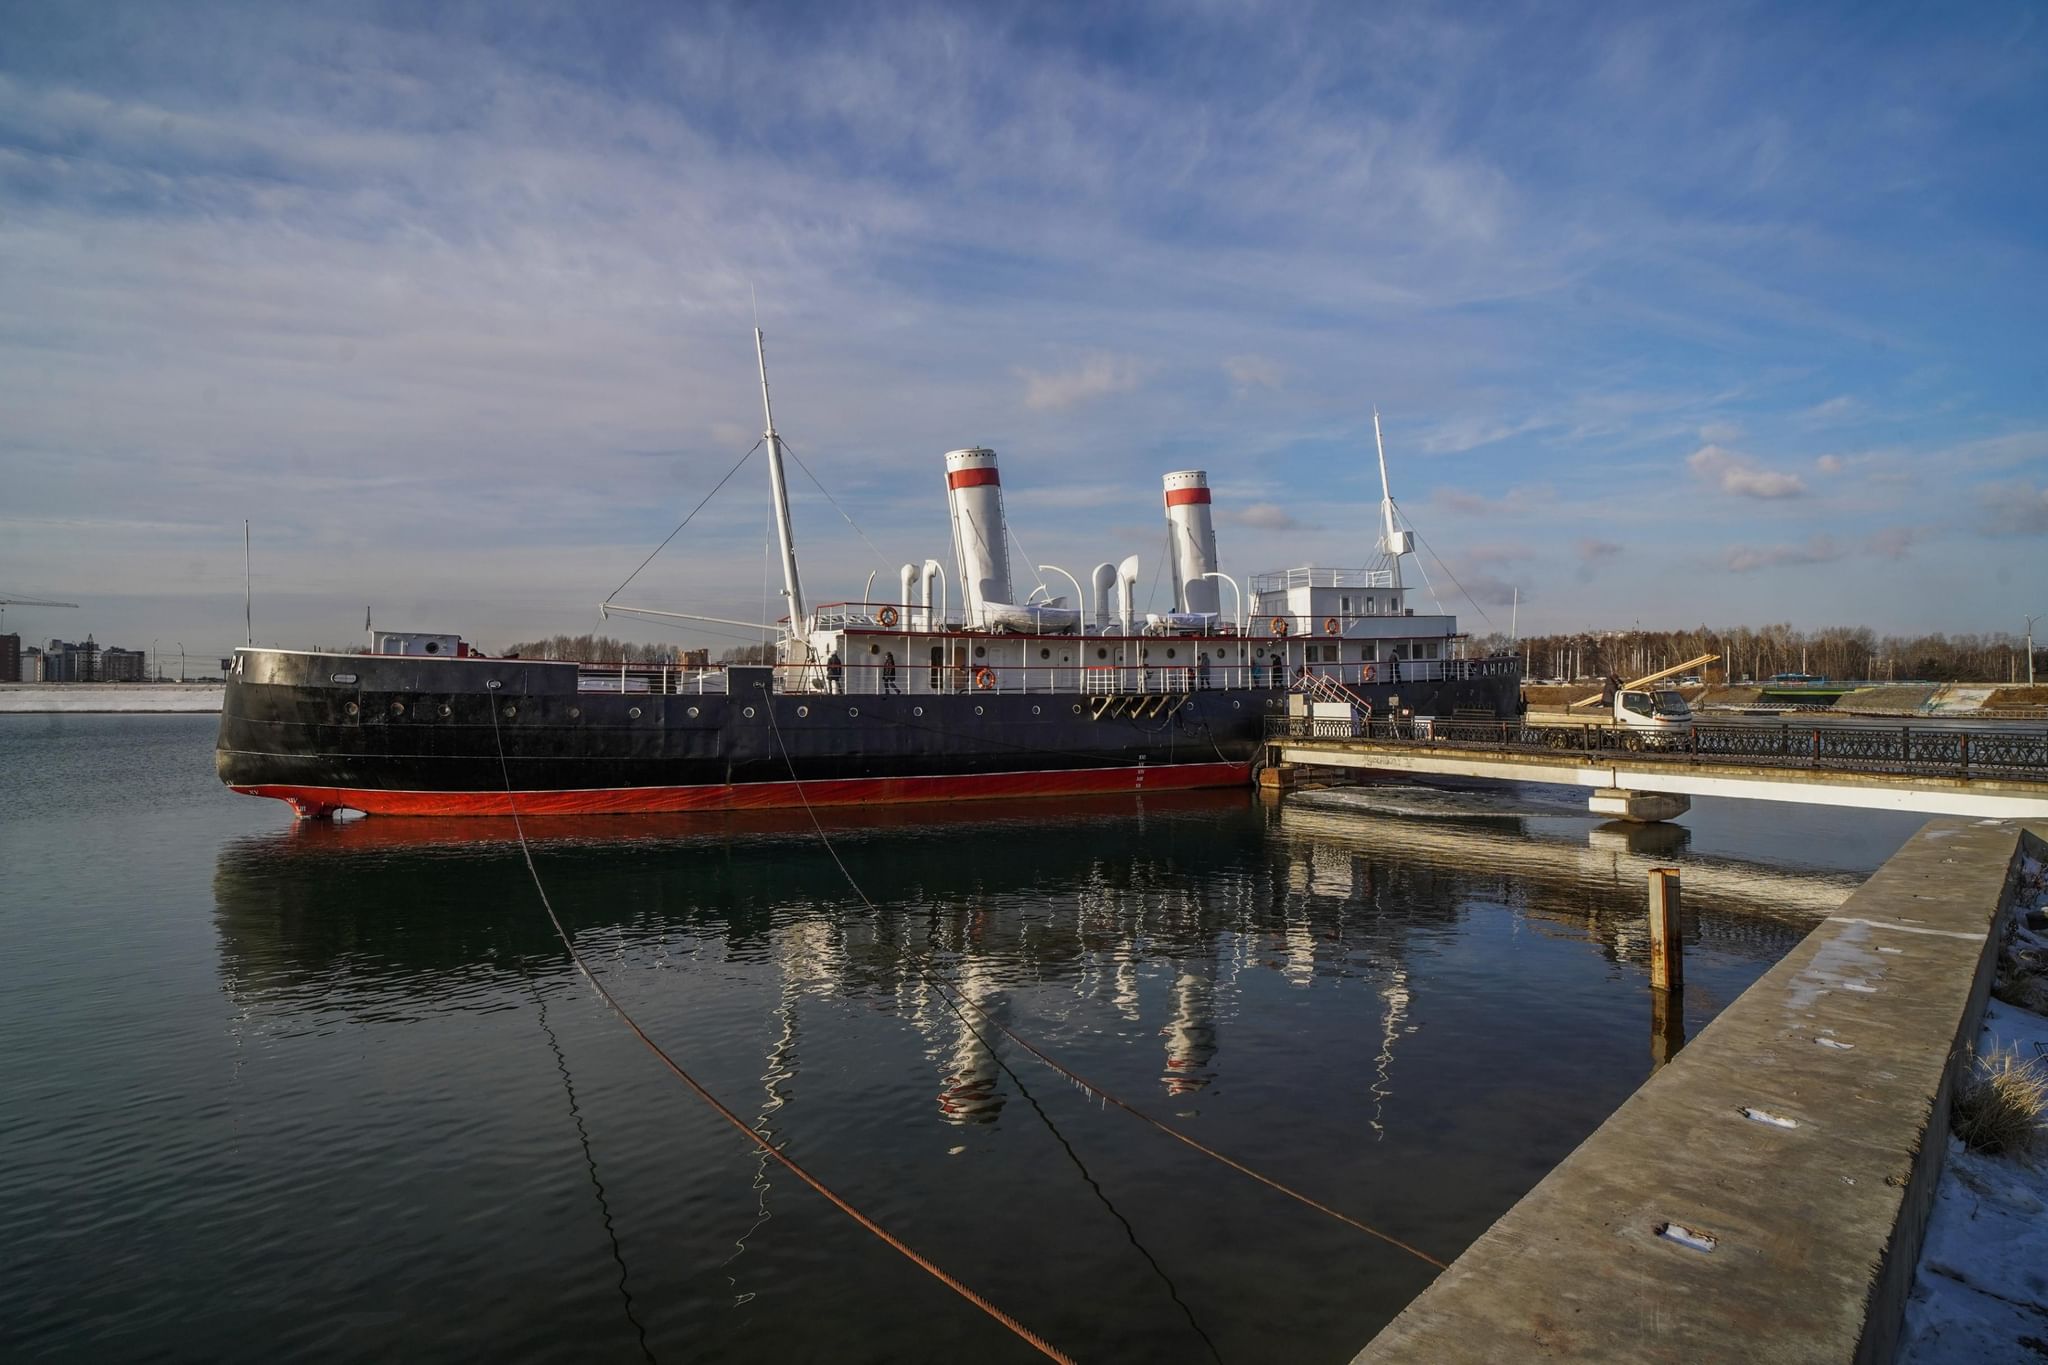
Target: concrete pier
(1763, 1196)
(1619, 803)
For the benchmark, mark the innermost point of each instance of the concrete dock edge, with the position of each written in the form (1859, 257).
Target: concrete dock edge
(1764, 1196)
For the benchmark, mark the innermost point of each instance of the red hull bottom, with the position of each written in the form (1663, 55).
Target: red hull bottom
(314, 802)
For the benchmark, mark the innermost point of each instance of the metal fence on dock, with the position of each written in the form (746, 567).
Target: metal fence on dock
(1906, 749)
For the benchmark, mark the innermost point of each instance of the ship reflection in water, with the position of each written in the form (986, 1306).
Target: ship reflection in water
(985, 898)
(1282, 982)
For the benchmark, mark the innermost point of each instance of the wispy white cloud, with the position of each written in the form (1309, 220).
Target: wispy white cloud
(1263, 516)
(2016, 508)
(1819, 549)
(1253, 371)
(1741, 476)
(1094, 377)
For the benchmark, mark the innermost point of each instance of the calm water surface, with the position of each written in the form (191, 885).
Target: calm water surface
(278, 1092)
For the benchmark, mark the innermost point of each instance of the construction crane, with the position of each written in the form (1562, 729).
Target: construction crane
(6, 602)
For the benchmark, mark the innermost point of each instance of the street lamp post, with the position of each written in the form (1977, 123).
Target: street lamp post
(2030, 649)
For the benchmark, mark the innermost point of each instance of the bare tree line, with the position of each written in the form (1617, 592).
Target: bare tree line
(607, 649)
(1758, 652)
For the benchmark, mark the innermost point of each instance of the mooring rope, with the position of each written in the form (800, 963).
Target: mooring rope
(1088, 1086)
(895, 1243)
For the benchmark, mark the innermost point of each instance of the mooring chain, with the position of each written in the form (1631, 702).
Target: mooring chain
(895, 1243)
(951, 994)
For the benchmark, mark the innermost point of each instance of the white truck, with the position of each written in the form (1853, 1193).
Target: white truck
(1637, 718)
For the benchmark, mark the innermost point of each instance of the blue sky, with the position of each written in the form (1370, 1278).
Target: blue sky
(1718, 313)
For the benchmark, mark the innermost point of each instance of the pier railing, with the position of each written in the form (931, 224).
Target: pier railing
(1904, 749)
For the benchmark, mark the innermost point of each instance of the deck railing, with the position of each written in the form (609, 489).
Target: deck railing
(1900, 749)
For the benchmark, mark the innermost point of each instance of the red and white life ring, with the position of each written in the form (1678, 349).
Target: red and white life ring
(1367, 673)
(1278, 625)
(888, 617)
(984, 677)
(1332, 626)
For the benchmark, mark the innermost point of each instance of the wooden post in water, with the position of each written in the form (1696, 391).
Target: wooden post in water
(1667, 968)
(1667, 949)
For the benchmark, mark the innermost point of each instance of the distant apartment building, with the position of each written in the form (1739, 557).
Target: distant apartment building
(123, 665)
(91, 662)
(10, 658)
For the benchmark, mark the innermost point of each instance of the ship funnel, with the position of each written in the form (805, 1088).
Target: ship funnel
(1103, 580)
(907, 579)
(1127, 592)
(981, 541)
(1194, 540)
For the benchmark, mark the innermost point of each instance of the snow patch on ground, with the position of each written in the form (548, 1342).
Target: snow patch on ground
(47, 698)
(1981, 1291)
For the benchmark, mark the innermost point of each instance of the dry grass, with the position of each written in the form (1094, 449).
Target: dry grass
(1999, 1110)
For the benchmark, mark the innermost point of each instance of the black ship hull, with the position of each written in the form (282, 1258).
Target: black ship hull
(407, 736)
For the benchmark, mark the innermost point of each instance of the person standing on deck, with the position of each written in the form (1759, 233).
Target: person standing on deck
(833, 672)
(889, 671)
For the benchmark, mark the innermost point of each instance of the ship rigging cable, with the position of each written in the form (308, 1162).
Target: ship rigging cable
(1089, 1087)
(685, 521)
(789, 1163)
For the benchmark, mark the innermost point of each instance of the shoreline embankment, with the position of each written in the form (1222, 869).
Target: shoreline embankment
(1764, 1196)
(32, 699)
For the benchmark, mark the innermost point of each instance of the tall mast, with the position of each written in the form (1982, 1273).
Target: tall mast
(1386, 489)
(1394, 541)
(792, 587)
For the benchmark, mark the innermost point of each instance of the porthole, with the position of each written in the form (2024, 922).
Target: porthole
(1169, 654)
(803, 713)
(633, 714)
(1045, 654)
(1102, 654)
(350, 709)
(511, 711)
(343, 678)
(981, 651)
(398, 708)
(1237, 706)
(1034, 710)
(748, 713)
(874, 649)
(447, 710)
(853, 710)
(692, 713)
(917, 710)
(575, 712)
(1077, 708)
(977, 710)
